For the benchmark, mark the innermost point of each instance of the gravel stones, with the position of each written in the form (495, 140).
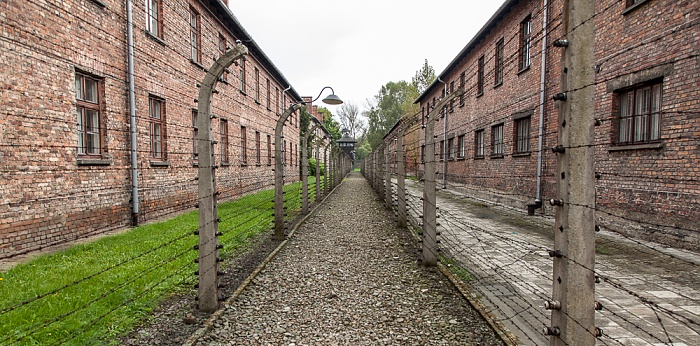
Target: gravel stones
(349, 276)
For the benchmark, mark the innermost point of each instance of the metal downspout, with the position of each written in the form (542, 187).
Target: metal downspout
(538, 194)
(444, 143)
(132, 115)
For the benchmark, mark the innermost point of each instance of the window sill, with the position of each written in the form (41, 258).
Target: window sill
(257, 101)
(195, 164)
(634, 7)
(479, 94)
(160, 163)
(155, 38)
(94, 162)
(497, 84)
(523, 70)
(461, 158)
(526, 154)
(461, 105)
(243, 92)
(478, 157)
(243, 164)
(225, 164)
(195, 63)
(646, 146)
(497, 156)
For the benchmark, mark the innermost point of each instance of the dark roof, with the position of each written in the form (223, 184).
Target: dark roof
(254, 50)
(347, 138)
(507, 6)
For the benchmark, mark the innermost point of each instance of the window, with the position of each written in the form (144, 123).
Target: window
(422, 153)
(195, 37)
(154, 17)
(268, 91)
(422, 116)
(524, 52)
(224, 140)
(269, 150)
(195, 133)
(460, 147)
(295, 158)
(480, 77)
(630, 3)
(222, 51)
(498, 68)
(156, 115)
(522, 135)
(452, 101)
(451, 149)
(256, 73)
(244, 146)
(497, 140)
(441, 155)
(462, 81)
(479, 144)
(257, 148)
(241, 77)
(88, 99)
(640, 114)
(277, 101)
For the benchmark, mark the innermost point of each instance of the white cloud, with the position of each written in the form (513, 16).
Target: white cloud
(358, 46)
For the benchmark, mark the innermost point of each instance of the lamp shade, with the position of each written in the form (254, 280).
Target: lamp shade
(332, 99)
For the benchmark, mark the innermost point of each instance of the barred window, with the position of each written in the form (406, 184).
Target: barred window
(479, 144)
(195, 36)
(497, 140)
(156, 116)
(522, 135)
(525, 37)
(640, 114)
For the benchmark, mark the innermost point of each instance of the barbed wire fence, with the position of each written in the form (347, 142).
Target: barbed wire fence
(242, 206)
(508, 262)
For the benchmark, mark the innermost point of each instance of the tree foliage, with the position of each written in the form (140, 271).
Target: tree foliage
(424, 77)
(394, 100)
(331, 125)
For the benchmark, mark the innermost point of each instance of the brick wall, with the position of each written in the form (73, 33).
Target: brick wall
(51, 194)
(648, 190)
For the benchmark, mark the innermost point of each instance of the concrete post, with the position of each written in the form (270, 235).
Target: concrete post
(387, 177)
(318, 169)
(279, 171)
(574, 235)
(305, 170)
(400, 178)
(327, 168)
(429, 249)
(208, 292)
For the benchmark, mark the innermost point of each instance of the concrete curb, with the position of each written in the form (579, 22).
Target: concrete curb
(209, 323)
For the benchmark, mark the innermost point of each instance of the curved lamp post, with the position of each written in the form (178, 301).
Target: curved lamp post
(331, 99)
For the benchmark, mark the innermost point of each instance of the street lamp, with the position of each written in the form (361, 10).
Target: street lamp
(331, 99)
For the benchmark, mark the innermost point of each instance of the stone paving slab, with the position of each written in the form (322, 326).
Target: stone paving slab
(506, 252)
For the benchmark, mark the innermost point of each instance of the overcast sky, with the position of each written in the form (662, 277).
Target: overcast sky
(356, 46)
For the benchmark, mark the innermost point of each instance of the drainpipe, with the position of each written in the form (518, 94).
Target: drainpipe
(132, 116)
(444, 143)
(540, 138)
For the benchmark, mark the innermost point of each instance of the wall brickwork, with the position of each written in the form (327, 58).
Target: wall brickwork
(647, 190)
(51, 193)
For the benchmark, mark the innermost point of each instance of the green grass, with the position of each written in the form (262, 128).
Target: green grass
(93, 293)
(454, 267)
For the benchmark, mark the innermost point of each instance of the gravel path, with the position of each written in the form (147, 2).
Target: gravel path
(349, 276)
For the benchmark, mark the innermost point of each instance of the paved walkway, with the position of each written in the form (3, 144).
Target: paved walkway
(650, 295)
(348, 276)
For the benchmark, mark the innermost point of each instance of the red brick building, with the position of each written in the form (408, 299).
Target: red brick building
(496, 139)
(65, 148)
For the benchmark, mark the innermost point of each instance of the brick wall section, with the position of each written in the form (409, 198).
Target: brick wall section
(649, 191)
(49, 197)
(510, 177)
(655, 185)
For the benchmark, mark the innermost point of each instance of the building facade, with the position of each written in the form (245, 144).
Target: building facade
(496, 139)
(65, 149)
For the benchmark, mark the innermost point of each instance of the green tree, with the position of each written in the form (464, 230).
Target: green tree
(331, 125)
(424, 77)
(394, 100)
